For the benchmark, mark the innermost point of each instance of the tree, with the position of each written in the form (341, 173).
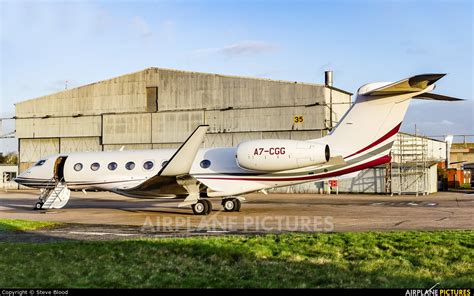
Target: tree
(9, 158)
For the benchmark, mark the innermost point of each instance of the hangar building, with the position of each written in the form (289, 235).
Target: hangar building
(159, 108)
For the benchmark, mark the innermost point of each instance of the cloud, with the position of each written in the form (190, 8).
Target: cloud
(446, 122)
(249, 47)
(142, 27)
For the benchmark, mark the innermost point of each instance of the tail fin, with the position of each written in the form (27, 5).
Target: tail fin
(374, 119)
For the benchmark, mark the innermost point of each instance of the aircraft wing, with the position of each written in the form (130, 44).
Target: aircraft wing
(175, 174)
(182, 160)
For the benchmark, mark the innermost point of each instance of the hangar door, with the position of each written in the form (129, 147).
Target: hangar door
(31, 150)
(83, 144)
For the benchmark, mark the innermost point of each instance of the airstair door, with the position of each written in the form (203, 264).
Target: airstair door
(59, 168)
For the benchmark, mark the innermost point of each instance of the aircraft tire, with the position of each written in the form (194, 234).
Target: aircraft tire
(238, 205)
(38, 206)
(231, 204)
(201, 207)
(209, 206)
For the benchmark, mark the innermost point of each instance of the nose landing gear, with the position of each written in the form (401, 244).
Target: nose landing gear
(38, 205)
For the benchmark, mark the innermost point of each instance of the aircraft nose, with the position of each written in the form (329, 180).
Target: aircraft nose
(21, 178)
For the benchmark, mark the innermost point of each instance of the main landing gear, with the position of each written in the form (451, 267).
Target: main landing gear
(202, 207)
(231, 204)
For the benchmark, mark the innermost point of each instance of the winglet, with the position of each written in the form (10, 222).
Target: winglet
(181, 162)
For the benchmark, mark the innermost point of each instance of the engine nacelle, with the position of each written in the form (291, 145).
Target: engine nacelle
(280, 155)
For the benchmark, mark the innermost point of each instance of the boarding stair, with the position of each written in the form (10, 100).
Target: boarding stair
(54, 195)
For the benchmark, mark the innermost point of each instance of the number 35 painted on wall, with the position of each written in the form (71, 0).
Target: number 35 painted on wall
(298, 119)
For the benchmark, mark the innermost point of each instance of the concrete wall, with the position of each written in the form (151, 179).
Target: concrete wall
(341, 102)
(127, 128)
(125, 93)
(84, 126)
(171, 127)
(461, 153)
(180, 90)
(7, 173)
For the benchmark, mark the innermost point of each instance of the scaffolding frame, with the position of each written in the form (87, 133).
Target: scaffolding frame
(409, 166)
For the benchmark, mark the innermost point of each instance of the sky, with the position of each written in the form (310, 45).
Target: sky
(43, 44)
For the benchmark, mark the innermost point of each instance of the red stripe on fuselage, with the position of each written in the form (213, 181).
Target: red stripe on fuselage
(375, 162)
(385, 137)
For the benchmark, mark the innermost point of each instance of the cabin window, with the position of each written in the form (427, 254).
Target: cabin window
(112, 166)
(164, 163)
(205, 163)
(95, 166)
(78, 167)
(130, 165)
(40, 163)
(148, 165)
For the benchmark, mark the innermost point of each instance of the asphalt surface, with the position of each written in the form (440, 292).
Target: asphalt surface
(100, 215)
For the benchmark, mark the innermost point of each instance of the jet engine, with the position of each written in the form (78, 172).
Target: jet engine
(280, 155)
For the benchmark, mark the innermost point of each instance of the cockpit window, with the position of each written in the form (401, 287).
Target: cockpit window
(40, 163)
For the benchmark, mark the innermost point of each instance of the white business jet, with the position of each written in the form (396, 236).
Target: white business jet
(363, 138)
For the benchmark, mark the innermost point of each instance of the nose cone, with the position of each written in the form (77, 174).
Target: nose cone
(22, 178)
(27, 179)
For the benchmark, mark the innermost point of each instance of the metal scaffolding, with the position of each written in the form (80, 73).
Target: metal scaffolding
(408, 171)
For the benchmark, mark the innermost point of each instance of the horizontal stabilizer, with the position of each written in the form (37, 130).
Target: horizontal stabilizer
(409, 85)
(180, 163)
(436, 97)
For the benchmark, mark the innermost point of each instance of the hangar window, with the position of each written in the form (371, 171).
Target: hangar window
(130, 165)
(95, 166)
(78, 167)
(112, 166)
(148, 165)
(205, 163)
(40, 163)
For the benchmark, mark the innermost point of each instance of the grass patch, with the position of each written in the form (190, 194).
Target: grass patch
(8, 225)
(369, 259)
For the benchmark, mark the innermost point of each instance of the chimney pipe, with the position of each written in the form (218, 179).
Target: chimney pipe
(328, 78)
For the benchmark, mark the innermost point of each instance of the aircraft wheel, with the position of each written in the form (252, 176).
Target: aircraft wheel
(209, 206)
(38, 205)
(231, 204)
(238, 205)
(201, 207)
